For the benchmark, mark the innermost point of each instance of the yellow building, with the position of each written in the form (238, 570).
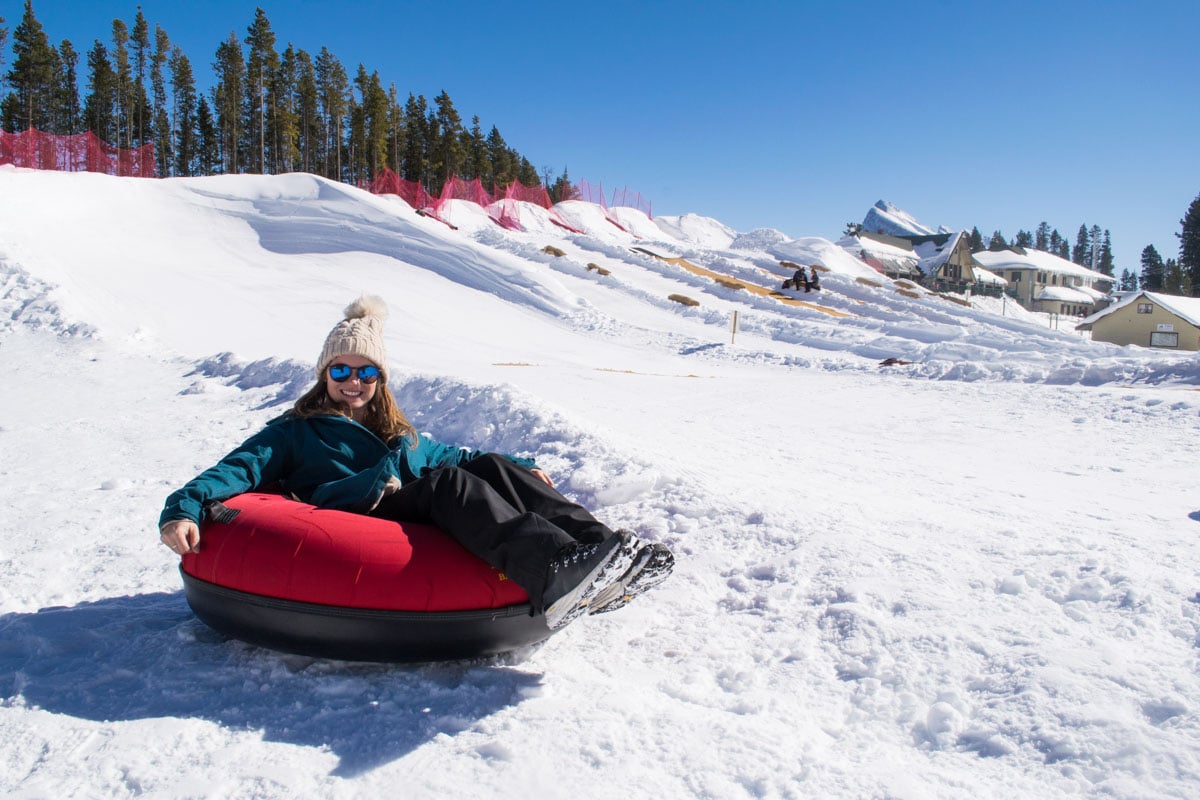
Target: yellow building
(1148, 319)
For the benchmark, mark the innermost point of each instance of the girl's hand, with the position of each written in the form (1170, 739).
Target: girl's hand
(181, 535)
(542, 476)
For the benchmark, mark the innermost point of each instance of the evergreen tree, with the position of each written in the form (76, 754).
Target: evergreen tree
(3, 46)
(230, 73)
(1082, 248)
(1129, 281)
(447, 152)
(285, 142)
(68, 110)
(1106, 255)
(1095, 242)
(161, 121)
(562, 189)
(1064, 250)
(371, 139)
(1024, 239)
(415, 164)
(143, 114)
(35, 78)
(1041, 238)
(501, 164)
(1172, 277)
(261, 63)
(975, 239)
(1153, 270)
(308, 112)
(125, 91)
(333, 90)
(1056, 242)
(477, 164)
(186, 126)
(997, 242)
(395, 129)
(208, 153)
(99, 108)
(526, 173)
(1189, 243)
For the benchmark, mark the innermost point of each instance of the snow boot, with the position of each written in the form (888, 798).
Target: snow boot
(579, 571)
(651, 566)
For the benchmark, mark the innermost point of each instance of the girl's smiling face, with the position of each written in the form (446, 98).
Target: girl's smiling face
(352, 392)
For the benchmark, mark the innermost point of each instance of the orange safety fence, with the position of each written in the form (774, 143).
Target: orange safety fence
(79, 152)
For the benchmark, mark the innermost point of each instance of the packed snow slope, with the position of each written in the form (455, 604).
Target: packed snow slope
(972, 574)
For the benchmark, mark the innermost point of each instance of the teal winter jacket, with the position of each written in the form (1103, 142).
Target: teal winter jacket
(329, 461)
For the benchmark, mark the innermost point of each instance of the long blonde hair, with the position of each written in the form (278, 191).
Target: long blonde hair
(381, 416)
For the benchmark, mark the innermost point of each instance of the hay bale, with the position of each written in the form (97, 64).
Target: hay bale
(729, 284)
(553, 251)
(683, 299)
(597, 269)
(790, 265)
(869, 282)
(907, 293)
(962, 301)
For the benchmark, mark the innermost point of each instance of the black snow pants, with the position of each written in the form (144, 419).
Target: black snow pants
(499, 511)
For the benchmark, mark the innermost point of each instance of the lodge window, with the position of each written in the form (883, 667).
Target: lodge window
(1162, 339)
(1145, 308)
(1015, 277)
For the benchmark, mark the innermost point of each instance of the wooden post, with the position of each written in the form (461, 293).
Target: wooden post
(733, 331)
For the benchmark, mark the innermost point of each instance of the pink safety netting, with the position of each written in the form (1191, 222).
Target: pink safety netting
(502, 205)
(594, 193)
(631, 199)
(411, 192)
(80, 152)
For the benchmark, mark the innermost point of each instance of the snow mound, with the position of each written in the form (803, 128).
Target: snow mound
(697, 231)
(759, 239)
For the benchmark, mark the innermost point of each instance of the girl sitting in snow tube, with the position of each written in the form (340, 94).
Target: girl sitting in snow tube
(347, 447)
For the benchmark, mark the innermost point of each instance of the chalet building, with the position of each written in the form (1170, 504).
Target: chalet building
(942, 261)
(892, 256)
(947, 262)
(1041, 281)
(1148, 319)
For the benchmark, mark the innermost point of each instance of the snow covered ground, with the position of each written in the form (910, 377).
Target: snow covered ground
(971, 575)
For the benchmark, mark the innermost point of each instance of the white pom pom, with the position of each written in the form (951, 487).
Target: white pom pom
(368, 305)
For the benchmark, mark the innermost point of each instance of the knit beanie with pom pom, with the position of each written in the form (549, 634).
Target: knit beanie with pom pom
(359, 334)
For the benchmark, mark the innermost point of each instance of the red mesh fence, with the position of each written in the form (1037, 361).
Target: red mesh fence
(528, 194)
(503, 207)
(631, 199)
(458, 189)
(592, 193)
(411, 192)
(506, 213)
(80, 152)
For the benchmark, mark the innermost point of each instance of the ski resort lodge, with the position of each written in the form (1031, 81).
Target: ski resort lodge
(1150, 320)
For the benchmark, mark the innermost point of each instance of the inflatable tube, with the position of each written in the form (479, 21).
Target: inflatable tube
(293, 577)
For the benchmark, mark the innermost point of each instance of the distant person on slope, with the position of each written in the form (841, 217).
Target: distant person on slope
(347, 445)
(800, 279)
(814, 283)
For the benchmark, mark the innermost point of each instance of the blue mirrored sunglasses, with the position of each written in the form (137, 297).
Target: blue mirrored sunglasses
(342, 372)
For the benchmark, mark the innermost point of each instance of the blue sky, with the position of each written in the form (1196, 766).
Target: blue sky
(791, 115)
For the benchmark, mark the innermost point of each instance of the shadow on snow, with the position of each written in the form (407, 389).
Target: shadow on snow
(146, 656)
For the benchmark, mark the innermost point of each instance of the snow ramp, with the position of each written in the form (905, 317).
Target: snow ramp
(752, 288)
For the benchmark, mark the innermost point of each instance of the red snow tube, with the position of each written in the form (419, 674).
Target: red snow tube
(307, 580)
